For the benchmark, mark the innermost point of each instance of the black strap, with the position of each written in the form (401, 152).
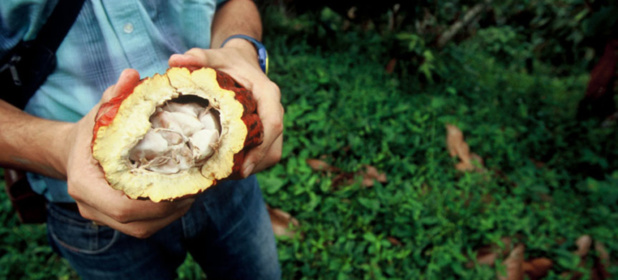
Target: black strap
(26, 67)
(58, 24)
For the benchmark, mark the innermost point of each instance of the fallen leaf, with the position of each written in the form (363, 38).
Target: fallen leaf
(390, 66)
(603, 254)
(320, 165)
(487, 255)
(281, 221)
(476, 158)
(370, 174)
(373, 173)
(394, 241)
(454, 141)
(486, 258)
(583, 245)
(602, 262)
(343, 179)
(367, 182)
(458, 147)
(537, 268)
(514, 264)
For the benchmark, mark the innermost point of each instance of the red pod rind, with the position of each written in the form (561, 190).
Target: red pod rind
(250, 117)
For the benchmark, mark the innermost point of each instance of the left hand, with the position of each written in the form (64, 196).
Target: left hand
(239, 59)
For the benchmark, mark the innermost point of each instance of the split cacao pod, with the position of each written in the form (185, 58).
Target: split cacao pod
(176, 134)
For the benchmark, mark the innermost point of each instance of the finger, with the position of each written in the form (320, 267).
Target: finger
(110, 202)
(267, 159)
(124, 210)
(220, 59)
(226, 60)
(117, 206)
(269, 152)
(128, 80)
(195, 58)
(139, 229)
(183, 60)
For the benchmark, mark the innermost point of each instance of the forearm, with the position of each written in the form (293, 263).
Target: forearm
(236, 17)
(31, 143)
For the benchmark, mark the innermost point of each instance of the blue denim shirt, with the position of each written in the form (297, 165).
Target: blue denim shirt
(107, 37)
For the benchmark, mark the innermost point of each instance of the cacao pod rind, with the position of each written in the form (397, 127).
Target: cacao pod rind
(123, 121)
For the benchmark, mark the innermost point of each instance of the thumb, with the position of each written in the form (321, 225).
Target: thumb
(128, 80)
(197, 58)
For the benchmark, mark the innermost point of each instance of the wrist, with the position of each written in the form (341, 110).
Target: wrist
(245, 47)
(63, 150)
(54, 149)
(243, 41)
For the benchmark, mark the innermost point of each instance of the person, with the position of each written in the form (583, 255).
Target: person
(102, 233)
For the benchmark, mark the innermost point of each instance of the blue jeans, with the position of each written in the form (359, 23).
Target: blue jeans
(227, 231)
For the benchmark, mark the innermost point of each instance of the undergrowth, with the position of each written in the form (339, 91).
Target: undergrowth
(548, 178)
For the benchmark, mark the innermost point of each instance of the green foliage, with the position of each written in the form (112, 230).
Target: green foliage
(346, 110)
(24, 251)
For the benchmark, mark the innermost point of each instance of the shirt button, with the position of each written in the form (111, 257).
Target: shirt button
(128, 28)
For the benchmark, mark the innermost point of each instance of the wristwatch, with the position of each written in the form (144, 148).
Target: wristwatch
(261, 50)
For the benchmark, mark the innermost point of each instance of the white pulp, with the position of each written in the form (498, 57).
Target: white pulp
(182, 135)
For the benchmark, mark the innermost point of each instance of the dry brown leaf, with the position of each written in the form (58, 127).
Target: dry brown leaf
(537, 268)
(603, 254)
(601, 263)
(476, 159)
(508, 244)
(583, 245)
(370, 174)
(367, 182)
(343, 179)
(458, 147)
(390, 66)
(513, 264)
(487, 255)
(281, 221)
(455, 142)
(373, 173)
(393, 241)
(320, 165)
(487, 258)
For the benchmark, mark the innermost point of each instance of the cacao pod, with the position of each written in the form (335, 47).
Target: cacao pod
(176, 134)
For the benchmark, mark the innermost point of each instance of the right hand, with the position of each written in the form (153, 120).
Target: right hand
(96, 199)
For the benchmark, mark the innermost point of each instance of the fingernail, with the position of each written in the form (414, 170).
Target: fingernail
(248, 169)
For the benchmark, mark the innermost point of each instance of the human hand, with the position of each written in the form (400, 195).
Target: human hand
(239, 59)
(96, 200)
